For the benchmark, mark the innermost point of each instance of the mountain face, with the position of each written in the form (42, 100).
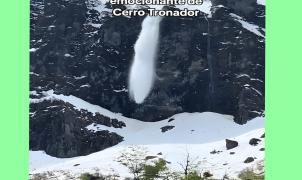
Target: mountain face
(207, 63)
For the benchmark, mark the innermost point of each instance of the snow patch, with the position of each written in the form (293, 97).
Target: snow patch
(85, 85)
(120, 90)
(33, 49)
(67, 55)
(250, 27)
(78, 78)
(261, 2)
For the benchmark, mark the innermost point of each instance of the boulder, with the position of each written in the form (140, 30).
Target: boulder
(166, 128)
(249, 160)
(230, 144)
(254, 141)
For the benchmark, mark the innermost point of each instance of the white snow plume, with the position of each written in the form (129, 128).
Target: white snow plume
(143, 67)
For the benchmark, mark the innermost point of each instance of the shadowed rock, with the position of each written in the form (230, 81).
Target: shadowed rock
(249, 160)
(254, 141)
(230, 144)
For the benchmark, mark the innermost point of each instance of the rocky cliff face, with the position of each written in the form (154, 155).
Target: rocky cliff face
(207, 63)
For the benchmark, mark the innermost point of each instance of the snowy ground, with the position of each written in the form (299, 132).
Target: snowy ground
(195, 133)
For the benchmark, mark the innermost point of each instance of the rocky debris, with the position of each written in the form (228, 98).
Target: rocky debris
(215, 152)
(231, 153)
(263, 135)
(254, 141)
(249, 160)
(230, 144)
(261, 149)
(171, 119)
(117, 124)
(207, 174)
(166, 128)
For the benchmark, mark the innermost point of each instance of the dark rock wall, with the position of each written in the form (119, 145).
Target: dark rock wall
(58, 129)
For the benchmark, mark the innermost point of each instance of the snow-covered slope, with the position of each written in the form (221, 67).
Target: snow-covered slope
(196, 133)
(246, 25)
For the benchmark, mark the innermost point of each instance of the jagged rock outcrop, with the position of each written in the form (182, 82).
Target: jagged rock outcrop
(59, 129)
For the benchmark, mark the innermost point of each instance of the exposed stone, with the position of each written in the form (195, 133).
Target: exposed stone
(207, 174)
(254, 141)
(249, 160)
(171, 119)
(230, 144)
(166, 128)
(215, 152)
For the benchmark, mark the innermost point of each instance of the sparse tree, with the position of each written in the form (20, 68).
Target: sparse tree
(194, 175)
(134, 159)
(170, 175)
(152, 172)
(249, 174)
(190, 165)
